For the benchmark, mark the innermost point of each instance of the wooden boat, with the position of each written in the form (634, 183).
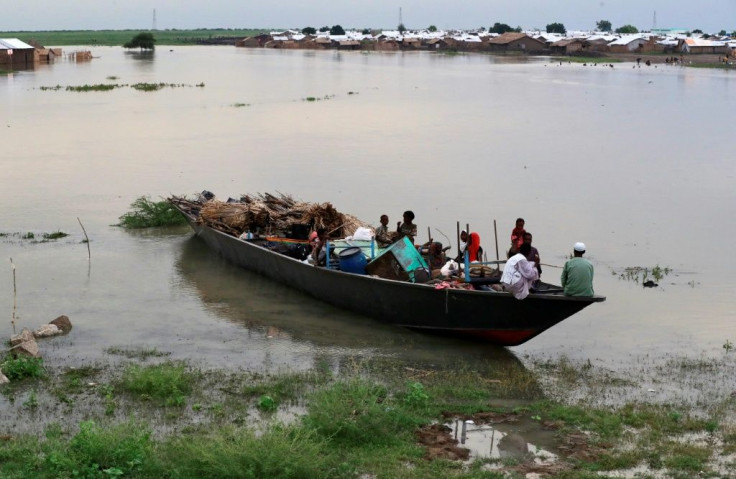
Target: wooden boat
(494, 317)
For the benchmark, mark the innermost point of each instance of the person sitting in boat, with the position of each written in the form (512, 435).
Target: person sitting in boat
(463, 243)
(519, 274)
(577, 274)
(533, 253)
(517, 236)
(319, 254)
(384, 237)
(407, 228)
(470, 243)
(435, 254)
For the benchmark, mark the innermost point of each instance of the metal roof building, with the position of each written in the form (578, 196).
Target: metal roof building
(14, 52)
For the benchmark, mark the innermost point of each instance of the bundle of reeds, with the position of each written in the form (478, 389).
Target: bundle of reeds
(273, 214)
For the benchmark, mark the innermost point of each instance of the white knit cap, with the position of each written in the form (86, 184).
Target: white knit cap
(579, 247)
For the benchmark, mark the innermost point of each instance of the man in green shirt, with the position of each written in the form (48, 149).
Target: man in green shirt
(577, 274)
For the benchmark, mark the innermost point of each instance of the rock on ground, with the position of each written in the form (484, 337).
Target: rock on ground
(63, 323)
(25, 335)
(47, 330)
(28, 348)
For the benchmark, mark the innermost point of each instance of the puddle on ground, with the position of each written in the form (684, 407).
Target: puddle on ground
(490, 441)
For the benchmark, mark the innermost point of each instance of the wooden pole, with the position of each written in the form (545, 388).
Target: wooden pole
(429, 235)
(495, 233)
(15, 296)
(89, 253)
(458, 239)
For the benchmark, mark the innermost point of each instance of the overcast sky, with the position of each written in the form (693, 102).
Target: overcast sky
(710, 16)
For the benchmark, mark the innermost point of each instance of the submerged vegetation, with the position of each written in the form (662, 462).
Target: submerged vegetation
(145, 213)
(34, 237)
(645, 275)
(113, 86)
(316, 98)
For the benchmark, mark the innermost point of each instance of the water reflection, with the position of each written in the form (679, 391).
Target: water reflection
(143, 58)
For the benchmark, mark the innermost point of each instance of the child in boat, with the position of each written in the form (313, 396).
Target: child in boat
(517, 237)
(407, 228)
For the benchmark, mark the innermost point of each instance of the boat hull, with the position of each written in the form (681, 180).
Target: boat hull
(497, 318)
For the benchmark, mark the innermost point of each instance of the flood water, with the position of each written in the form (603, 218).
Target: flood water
(638, 163)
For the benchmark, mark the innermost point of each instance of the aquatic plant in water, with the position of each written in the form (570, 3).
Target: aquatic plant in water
(147, 214)
(637, 273)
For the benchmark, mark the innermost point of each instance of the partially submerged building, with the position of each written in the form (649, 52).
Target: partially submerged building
(16, 54)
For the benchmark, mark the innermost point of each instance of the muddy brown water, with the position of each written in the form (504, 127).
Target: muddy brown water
(636, 163)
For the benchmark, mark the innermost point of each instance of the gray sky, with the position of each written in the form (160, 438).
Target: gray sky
(707, 15)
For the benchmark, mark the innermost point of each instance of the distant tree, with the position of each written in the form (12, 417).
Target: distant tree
(518, 29)
(500, 28)
(627, 29)
(722, 33)
(324, 29)
(309, 30)
(697, 30)
(432, 28)
(143, 40)
(706, 36)
(603, 25)
(401, 28)
(556, 28)
(337, 30)
(366, 31)
(733, 34)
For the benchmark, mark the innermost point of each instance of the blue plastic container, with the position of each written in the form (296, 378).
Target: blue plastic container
(352, 260)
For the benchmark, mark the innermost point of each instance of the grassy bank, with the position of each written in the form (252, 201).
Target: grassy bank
(119, 37)
(150, 417)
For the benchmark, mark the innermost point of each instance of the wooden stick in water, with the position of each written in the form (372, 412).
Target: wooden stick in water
(89, 253)
(15, 295)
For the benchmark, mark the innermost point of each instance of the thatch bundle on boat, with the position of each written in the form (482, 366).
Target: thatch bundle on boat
(273, 214)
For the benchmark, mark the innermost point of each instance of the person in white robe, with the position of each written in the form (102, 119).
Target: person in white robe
(519, 274)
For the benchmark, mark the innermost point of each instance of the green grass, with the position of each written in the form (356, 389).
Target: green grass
(145, 213)
(169, 382)
(282, 387)
(358, 423)
(22, 367)
(357, 413)
(281, 453)
(119, 37)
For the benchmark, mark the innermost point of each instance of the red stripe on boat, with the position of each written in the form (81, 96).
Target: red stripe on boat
(502, 337)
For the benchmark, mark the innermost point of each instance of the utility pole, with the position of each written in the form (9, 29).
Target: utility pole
(654, 21)
(153, 28)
